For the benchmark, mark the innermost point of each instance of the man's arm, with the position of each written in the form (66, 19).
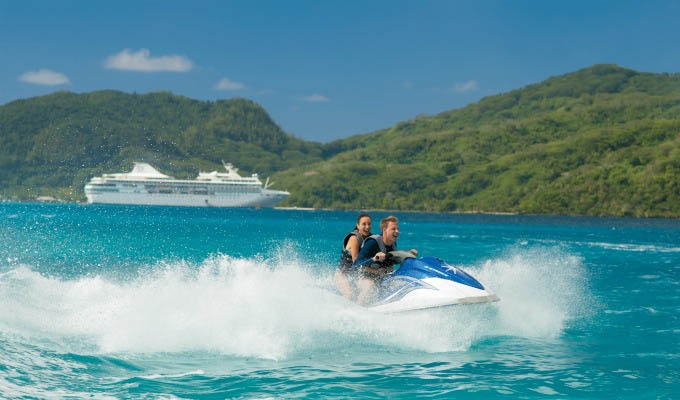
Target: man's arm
(365, 257)
(365, 260)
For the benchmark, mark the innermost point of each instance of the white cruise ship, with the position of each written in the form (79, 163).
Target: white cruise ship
(146, 186)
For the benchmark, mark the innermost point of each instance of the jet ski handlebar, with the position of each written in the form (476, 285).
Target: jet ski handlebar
(398, 256)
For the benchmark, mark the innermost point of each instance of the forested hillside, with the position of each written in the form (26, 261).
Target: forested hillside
(51, 145)
(600, 141)
(604, 140)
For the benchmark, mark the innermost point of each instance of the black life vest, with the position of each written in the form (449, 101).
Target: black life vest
(346, 256)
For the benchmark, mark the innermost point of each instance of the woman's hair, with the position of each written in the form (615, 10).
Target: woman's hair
(361, 216)
(387, 220)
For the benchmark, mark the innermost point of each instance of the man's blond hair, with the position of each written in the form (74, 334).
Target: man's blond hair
(387, 220)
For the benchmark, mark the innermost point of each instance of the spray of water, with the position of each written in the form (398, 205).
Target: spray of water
(541, 290)
(276, 306)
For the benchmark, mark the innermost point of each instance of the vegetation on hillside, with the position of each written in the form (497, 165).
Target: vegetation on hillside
(600, 141)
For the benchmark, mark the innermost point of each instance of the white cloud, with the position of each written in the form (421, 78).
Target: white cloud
(228, 84)
(465, 87)
(44, 77)
(142, 61)
(316, 98)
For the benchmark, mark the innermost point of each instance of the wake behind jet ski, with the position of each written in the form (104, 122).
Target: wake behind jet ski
(427, 282)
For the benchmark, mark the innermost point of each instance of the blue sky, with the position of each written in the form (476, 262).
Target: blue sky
(326, 69)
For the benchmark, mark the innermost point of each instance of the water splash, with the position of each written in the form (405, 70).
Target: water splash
(277, 305)
(541, 290)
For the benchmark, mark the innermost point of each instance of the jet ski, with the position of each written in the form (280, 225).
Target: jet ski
(427, 282)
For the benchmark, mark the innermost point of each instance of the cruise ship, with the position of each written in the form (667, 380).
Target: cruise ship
(145, 185)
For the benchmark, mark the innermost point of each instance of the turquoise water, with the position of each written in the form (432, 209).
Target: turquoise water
(140, 302)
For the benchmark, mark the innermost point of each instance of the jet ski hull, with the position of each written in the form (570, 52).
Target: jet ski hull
(429, 282)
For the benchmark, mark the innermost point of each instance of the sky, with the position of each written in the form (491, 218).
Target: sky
(326, 69)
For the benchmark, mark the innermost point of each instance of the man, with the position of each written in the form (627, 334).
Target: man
(373, 262)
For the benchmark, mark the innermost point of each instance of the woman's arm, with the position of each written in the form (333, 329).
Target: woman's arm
(353, 247)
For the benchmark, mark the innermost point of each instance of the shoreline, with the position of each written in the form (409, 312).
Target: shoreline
(377, 210)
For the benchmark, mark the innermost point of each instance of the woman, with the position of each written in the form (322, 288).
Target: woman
(350, 250)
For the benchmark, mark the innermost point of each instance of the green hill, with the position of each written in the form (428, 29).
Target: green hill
(600, 141)
(604, 140)
(51, 145)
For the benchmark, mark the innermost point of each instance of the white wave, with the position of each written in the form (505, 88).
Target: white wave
(272, 308)
(446, 236)
(632, 247)
(635, 247)
(545, 390)
(618, 312)
(180, 375)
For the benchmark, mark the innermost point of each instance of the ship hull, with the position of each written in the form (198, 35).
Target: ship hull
(186, 200)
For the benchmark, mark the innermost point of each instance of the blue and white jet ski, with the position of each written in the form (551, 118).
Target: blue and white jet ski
(427, 282)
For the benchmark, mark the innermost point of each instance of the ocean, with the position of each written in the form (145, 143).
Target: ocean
(109, 302)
